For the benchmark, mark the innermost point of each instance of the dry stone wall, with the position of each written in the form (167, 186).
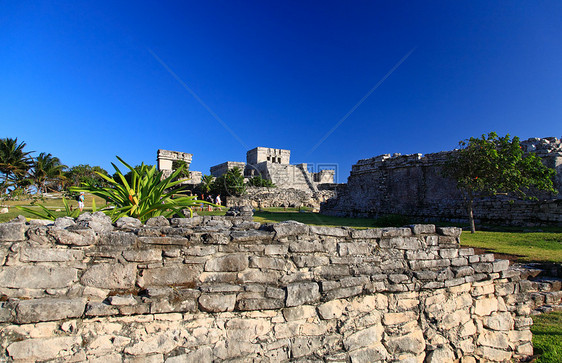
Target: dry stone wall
(414, 185)
(228, 289)
(262, 197)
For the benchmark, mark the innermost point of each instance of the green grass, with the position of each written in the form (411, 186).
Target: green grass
(547, 337)
(535, 246)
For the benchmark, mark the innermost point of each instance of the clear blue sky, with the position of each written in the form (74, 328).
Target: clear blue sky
(87, 81)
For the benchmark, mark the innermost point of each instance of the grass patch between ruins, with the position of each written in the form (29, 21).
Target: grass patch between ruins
(547, 337)
(535, 246)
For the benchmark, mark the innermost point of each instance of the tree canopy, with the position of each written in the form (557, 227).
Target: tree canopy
(491, 164)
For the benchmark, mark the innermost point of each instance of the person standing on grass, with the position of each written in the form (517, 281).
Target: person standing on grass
(218, 201)
(81, 198)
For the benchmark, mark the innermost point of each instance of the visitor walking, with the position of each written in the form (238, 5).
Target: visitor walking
(218, 201)
(81, 198)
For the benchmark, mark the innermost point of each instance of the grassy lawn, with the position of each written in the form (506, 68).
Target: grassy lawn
(528, 246)
(547, 337)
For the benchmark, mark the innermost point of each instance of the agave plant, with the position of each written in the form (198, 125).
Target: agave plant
(46, 213)
(147, 194)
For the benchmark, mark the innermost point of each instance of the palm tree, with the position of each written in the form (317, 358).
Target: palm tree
(47, 169)
(14, 162)
(206, 183)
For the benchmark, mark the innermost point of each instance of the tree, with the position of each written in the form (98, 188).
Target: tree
(490, 165)
(206, 183)
(14, 163)
(47, 170)
(181, 164)
(84, 173)
(230, 183)
(258, 181)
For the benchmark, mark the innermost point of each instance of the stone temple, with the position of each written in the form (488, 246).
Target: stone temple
(271, 164)
(275, 165)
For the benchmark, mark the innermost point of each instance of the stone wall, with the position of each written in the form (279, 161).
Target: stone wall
(414, 185)
(223, 289)
(280, 197)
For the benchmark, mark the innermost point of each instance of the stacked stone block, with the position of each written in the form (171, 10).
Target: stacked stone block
(227, 288)
(414, 185)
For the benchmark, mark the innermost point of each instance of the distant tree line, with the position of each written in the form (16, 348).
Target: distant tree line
(23, 174)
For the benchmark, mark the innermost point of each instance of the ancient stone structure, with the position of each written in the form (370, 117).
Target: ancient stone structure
(414, 185)
(225, 288)
(278, 197)
(265, 154)
(274, 164)
(221, 169)
(166, 158)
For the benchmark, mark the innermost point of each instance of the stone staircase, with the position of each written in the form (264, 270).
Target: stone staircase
(544, 284)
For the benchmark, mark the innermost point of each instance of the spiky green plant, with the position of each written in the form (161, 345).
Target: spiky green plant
(46, 213)
(147, 194)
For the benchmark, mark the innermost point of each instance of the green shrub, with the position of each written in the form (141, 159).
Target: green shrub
(146, 195)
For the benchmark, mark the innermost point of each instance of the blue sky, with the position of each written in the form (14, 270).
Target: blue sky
(87, 81)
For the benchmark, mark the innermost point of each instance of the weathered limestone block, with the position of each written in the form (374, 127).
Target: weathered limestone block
(494, 354)
(42, 349)
(183, 275)
(270, 263)
(357, 248)
(64, 222)
(330, 231)
(166, 241)
(38, 234)
(118, 239)
(127, 300)
(423, 228)
(304, 346)
(32, 311)
(499, 321)
(374, 353)
(186, 222)
(12, 232)
(251, 236)
(159, 221)
(290, 228)
(440, 355)
(98, 221)
(396, 232)
(252, 304)
(370, 233)
(450, 231)
(143, 255)
(217, 302)
(413, 342)
(228, 263)
(110, 276)
(310, 261)
(100, 309)
(302, 246)
(74, 237)
(302, 293)
(163, 343)
(299, 312)
(28, 254)
(401, 243)
(364, 338)
(128, 223)
(37, 277)
(260, 277)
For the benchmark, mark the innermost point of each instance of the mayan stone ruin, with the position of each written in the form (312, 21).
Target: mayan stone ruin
(413, 185)
(222, 289)
(295, 185)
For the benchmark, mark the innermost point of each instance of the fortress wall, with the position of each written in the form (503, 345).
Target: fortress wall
(414, 185)
(225, 288)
